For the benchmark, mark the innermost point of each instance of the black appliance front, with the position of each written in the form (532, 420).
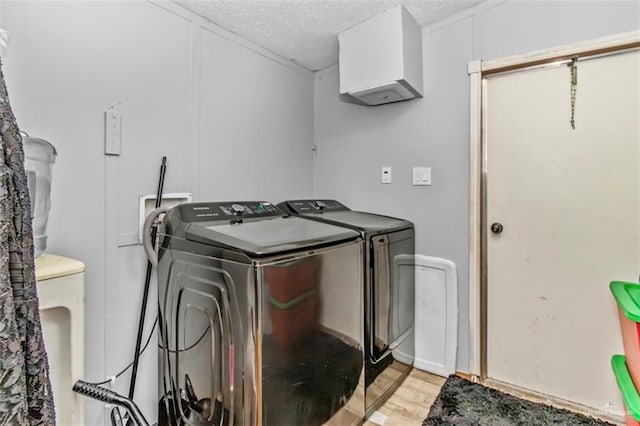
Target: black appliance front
(389, 290)
(258, 316)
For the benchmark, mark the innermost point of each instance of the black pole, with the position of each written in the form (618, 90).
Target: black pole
(147, 281)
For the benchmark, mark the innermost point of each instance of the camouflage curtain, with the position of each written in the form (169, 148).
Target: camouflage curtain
(25, 389)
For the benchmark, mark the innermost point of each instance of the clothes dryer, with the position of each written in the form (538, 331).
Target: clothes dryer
(260, 318)
(389, 288)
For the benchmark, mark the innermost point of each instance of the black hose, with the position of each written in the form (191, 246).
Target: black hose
(110, 397)
(145, 294)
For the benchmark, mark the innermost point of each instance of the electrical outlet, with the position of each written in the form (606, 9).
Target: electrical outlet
(112, 132)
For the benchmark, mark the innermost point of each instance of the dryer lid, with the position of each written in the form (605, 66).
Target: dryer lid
(367, 222)
(334, 212)
(271, 236)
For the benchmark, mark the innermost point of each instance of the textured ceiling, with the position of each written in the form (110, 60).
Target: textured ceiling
(305, 31)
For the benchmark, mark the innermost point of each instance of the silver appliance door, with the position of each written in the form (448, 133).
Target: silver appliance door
(392, 293)
(201, 339)
(312, 338)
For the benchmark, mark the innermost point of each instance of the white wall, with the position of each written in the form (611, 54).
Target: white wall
(234, 121)
(354, 141)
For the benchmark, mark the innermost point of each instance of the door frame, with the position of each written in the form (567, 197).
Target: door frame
(477, 71)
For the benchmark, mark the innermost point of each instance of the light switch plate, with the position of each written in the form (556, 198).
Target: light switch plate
(386, 175)
(421, 176)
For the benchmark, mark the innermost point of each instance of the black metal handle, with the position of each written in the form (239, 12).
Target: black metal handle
(110, 397)
(497, 228)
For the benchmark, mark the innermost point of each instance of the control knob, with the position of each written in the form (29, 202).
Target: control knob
(238, 209)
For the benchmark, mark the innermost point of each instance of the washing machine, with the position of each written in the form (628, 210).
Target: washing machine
(389, 274)
(260, 318)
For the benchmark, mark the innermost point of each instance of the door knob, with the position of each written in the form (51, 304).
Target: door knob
(496, 228)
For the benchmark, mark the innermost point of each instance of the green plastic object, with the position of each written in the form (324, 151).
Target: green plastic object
(628, 297)
(625, 384)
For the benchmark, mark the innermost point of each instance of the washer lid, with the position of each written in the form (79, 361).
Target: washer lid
(269, 236)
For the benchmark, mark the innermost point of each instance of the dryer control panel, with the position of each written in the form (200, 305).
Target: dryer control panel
(313, 206)
(205, 212)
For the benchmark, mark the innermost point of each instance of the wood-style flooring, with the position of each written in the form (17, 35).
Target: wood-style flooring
(410, 403)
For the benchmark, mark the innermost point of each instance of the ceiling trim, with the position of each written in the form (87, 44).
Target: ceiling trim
(327, 70)
(228, 35)
(463, 14)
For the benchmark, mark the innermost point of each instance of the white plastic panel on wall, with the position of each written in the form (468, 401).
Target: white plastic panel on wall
(436, 327)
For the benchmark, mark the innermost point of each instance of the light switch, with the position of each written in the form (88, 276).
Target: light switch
(421, 176)
(386, 175)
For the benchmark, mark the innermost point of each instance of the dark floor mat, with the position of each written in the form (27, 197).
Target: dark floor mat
(462, 402)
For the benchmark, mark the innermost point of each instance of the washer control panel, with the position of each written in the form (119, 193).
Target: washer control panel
(203, 212)
(314, 206)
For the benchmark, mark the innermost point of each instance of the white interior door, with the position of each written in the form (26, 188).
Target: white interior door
(569, 204)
